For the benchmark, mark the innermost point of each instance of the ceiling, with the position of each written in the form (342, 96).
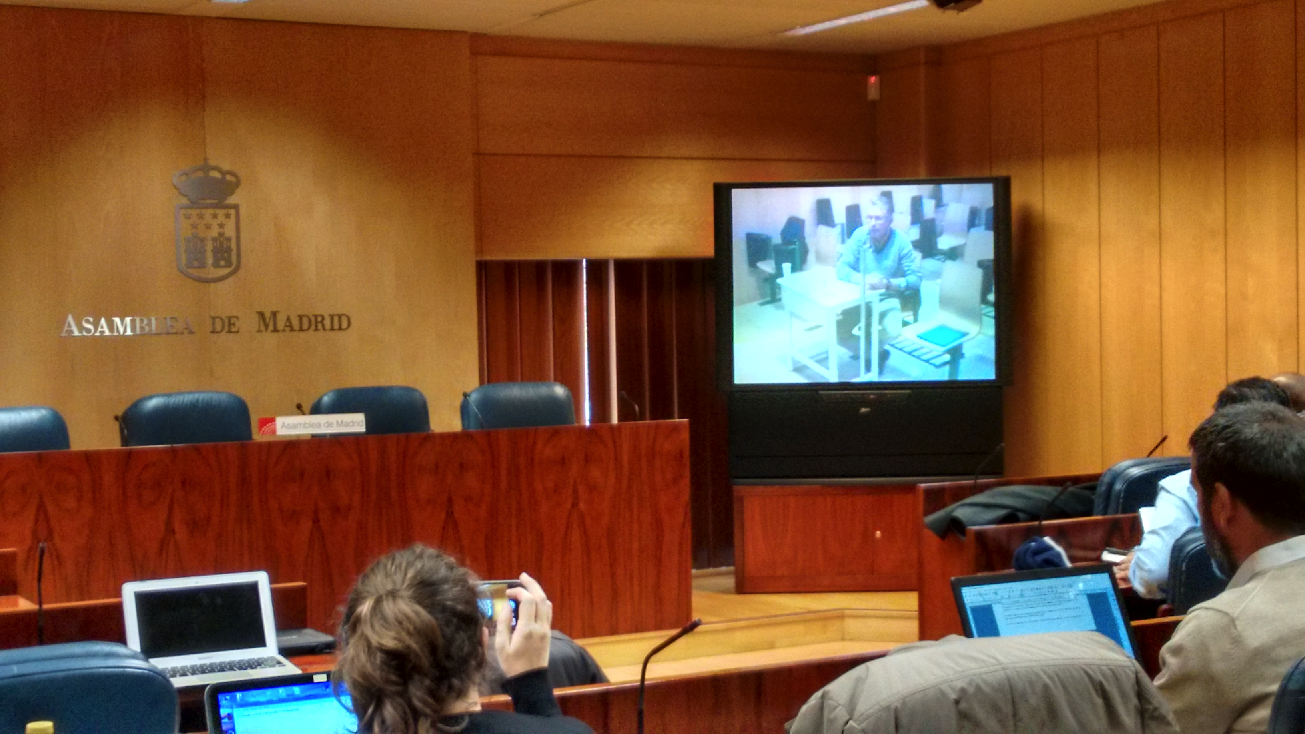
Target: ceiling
(752, 24)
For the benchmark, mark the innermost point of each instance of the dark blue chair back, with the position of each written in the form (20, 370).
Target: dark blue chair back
(1288, 714)
(100, 687)
(32, 428)
(1192, 575)
(185, 417)
(1134, 483)
(389, 409)
(518, 405)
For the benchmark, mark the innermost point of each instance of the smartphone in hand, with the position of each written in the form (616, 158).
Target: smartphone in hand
(493, 596)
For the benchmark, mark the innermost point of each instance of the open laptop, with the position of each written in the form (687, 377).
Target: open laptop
(290, 704)
(1076, 599)
(205, 629)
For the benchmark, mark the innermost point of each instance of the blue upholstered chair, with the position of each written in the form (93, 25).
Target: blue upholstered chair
(32, 428)
(1134, 483)
(517, 405)
(1288, 715)
(389, 409)
(1192, 575)
(101, 687)
(185, 417)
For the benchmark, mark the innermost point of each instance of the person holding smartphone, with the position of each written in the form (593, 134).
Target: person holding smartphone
(413, 647)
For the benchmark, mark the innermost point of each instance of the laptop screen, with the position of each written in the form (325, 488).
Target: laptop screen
(201, 619)
(1064, 600)
(286, 708)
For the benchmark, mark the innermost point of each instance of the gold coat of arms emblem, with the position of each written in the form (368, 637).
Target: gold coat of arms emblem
(208, 228)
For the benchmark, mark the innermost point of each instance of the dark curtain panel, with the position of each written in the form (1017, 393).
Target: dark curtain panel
(651, 324)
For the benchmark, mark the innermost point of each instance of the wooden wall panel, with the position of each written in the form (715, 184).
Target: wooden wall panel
(1016, 93)
(1070, 347)
(903, 118)
(1260, 113)
(1189, 106)
(360, 194)
(964, 124)
(1192, 223)
(1300, 175)
(99, 110)
(586, 107)
(545, 207)
(1130, 243)
(357, 197)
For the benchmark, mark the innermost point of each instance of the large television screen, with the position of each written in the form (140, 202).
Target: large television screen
(864, 282)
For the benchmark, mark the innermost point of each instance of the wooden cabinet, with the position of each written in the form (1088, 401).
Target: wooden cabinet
(825, 538)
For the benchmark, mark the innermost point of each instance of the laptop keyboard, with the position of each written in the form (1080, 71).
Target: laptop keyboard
(224, 666)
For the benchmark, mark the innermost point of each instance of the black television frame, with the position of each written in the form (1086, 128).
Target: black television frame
(865, 432)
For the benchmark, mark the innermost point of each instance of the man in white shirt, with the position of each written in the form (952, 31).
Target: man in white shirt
(1146, 568)
(1222, 668)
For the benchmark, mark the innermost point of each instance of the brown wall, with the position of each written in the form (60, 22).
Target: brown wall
(610, 151)
(355, 149)
(375, 163)
(1153, 156)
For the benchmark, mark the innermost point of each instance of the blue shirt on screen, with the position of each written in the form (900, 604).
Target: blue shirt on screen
(896, 261)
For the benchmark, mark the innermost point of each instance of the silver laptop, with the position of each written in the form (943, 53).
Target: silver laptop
(205, 629)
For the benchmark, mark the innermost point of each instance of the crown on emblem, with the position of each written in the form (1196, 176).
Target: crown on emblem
(206, 183)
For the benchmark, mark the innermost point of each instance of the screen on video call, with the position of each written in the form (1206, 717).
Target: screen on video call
(1079, 603)
(863, 283)
(302, 707)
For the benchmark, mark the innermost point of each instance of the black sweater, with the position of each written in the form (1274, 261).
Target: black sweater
(536, 711)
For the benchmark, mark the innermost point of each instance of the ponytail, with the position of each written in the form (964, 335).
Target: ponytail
(411, 643)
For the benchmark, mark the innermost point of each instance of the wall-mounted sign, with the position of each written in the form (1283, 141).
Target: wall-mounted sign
(264, 322)
(208, 229)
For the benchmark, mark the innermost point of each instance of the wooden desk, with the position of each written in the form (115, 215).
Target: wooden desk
(600, 515)
(990, 548)
(824, 538)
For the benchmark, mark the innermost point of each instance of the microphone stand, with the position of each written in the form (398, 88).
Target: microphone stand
(643, 672)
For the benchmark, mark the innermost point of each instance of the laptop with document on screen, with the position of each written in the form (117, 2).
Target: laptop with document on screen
(290, 704)
(1075, 599)
(205, 629)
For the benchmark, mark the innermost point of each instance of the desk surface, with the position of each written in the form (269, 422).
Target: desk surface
(600, 515)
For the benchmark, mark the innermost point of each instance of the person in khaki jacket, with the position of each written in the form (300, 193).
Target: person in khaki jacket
(1222, 667)
(1064, 682)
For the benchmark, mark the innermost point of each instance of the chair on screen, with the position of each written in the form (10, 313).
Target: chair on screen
(388, 409)
(852, 220)
(517, 405)
(32, 428)
(184, 418)
(101, 687)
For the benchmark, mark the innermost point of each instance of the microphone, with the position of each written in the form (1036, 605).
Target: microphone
(979, 469)
(300, 407)
(1157, 446)
(643, 672)
(40, 597)
(467, 397)
(630, 400)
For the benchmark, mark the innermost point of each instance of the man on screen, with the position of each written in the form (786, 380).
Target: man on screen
(880, 252)
(886, 258)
